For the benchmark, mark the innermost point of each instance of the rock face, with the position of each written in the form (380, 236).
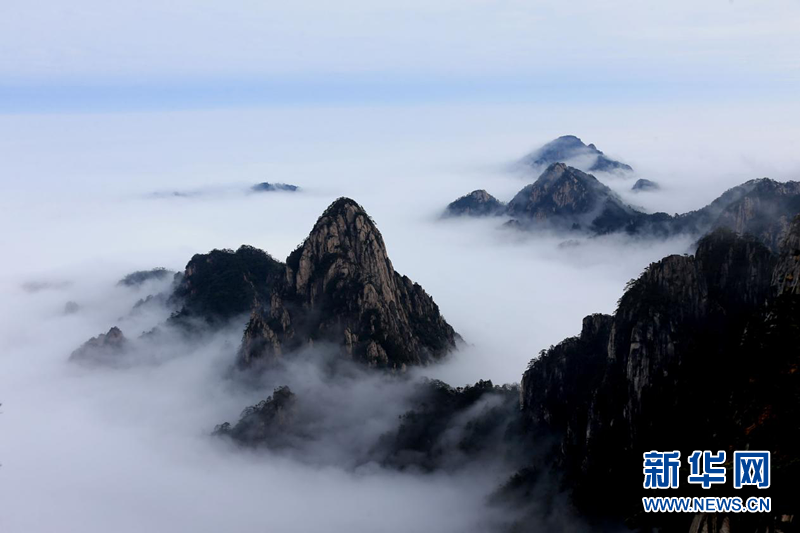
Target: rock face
(104, 349)
(570, 149)
(565, 196)
(710, 330)
(476, 203)
(642, 185)
(340, 287)
(787, 274)
(763, 208)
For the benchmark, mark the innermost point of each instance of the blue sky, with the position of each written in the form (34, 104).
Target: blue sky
(92, 55)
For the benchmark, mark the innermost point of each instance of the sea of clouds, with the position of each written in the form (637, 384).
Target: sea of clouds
(87, 199)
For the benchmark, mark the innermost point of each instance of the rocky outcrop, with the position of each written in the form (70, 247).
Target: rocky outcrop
(476, 203)
(340, 287)
(106, 348)
(135, 279)
(642, 185)
(570, 149)
(704, 330)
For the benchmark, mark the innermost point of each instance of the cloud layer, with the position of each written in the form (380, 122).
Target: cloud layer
(129, 449)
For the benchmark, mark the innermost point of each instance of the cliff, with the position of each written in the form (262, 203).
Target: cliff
(701, 353)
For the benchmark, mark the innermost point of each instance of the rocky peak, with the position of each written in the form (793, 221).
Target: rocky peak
(340, 287)
(344, 244)
(567, 197)
(555, 171)
(570, 149)
(645, 185)
(476, 203)
(763, 208)
(103, 349)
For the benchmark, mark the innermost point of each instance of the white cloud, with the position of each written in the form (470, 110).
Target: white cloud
(129, 450)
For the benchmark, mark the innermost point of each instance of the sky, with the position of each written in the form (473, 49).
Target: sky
(90, 55)
(109, 108)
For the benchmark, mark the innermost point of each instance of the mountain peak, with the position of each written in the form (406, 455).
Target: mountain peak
(476, 203)
(344, 241)
(105, 348)
(565, 196)
(342, 204)
(556, 170)
(572, 150)
(341, 287)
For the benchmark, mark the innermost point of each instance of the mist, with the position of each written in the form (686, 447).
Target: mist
(130, 448)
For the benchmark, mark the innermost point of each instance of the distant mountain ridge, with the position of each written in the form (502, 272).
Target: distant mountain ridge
(566, 198)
